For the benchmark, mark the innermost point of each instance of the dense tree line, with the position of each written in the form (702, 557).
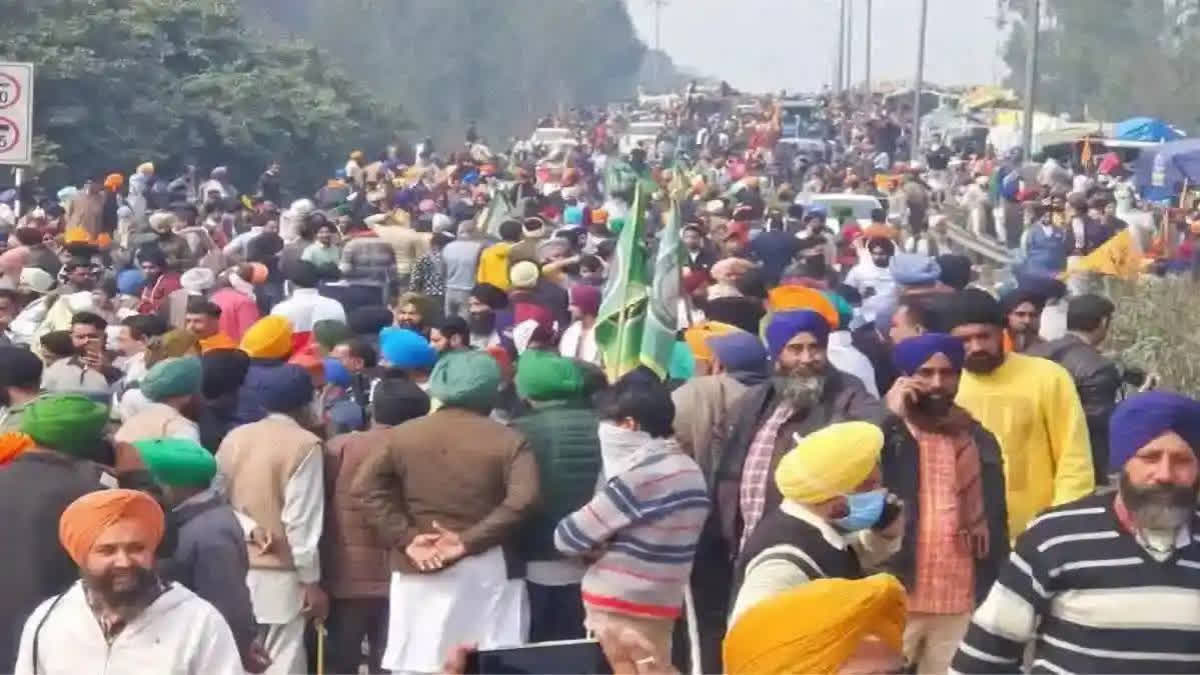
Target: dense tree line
(500, 64)
(241, 82)
(183, 82)
(1112, 59)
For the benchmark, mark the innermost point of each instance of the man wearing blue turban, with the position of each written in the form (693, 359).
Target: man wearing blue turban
(948, 471)
(804, 394)
(1109, 580)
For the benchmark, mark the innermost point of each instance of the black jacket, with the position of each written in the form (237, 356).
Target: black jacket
(778, 527)
(1097, 380)
(877, 350)
(776, 250)
(35, 488)
(901, 477)
(706, 257)
(218, 416)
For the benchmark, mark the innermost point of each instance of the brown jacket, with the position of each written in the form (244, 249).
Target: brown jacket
(463, 470)
(702, 409)
(354, 561)
(258, 460)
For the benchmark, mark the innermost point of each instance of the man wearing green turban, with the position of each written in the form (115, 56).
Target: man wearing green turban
(469, 380)
(69, 423)
(69, 460)
(211, 548)
(445, 493)
(560, 426)
(172, 387)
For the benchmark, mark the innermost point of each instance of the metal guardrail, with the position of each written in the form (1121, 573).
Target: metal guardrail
(986, 248)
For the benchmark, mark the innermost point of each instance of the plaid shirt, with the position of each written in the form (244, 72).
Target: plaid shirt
(945, 571)
(368, 258)
(757, 470)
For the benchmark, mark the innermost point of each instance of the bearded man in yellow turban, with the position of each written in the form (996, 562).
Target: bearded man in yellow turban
(145, 625)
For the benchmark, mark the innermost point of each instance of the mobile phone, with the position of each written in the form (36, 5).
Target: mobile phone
(891, 510)
(567, 657)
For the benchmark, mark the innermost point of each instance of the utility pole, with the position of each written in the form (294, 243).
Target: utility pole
(841, 55)
(658, 6)
(850, 45)
(915, 144)
(1033, 27)
(867, 51)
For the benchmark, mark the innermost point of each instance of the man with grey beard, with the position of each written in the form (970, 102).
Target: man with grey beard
(1111, 582)
(803, 395)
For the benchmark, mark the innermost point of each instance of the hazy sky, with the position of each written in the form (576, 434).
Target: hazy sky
(767, 45)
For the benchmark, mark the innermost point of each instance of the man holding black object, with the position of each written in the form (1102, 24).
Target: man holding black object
(835, 518)
(949, 470)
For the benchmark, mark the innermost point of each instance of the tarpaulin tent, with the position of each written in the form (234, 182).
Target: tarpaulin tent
(1163, 169)
(1146, 129)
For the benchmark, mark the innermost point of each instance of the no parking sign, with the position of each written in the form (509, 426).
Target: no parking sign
(16, 113)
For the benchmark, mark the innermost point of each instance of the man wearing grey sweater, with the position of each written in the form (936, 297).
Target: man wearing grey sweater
(461, 257)
(641, 528)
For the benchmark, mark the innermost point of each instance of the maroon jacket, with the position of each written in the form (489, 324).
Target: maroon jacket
(354, 563)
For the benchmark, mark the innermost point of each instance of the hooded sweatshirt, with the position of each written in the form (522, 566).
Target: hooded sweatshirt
(178, 633)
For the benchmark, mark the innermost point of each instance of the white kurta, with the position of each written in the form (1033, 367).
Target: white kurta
(179, 633)
(277, 595)
(844, 356)
(471, 602)
(579, 343)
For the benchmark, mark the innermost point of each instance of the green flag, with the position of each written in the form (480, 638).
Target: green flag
(662, 314)
(498, 210)
(622, 316)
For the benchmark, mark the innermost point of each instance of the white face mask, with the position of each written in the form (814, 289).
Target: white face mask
(621, 448)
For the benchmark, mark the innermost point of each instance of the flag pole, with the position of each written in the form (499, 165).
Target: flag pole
(624, 320)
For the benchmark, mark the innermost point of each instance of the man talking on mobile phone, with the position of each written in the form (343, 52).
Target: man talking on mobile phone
(948, 470)
(835, 519)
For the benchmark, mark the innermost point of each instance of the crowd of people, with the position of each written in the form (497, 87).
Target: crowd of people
(376, 428)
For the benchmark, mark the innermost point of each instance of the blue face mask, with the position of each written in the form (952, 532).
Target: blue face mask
(865, 510)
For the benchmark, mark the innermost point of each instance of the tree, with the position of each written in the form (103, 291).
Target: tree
(500, 64)
(183, 82)
(1113, 58)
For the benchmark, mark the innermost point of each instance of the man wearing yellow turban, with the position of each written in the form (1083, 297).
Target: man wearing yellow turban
(112, 535)
(696, 338)
(835, 518)
(849, 626)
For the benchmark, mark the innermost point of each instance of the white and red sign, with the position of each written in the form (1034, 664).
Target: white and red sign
(16, 113)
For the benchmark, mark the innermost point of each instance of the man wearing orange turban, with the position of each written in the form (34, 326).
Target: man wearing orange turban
(112, 536)
(87, 519)
(696, 338)
(794, 296)
(113, 182)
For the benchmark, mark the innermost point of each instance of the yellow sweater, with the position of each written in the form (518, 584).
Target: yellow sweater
(1032, 408)
(493, 265)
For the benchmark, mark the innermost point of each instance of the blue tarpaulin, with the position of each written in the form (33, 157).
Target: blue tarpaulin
(1146, 129)
(1162, 170)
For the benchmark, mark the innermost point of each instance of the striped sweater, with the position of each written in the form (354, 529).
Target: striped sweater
(644, 524)
(1090, 599)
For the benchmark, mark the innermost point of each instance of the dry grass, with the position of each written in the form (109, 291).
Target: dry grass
(1157, 328)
